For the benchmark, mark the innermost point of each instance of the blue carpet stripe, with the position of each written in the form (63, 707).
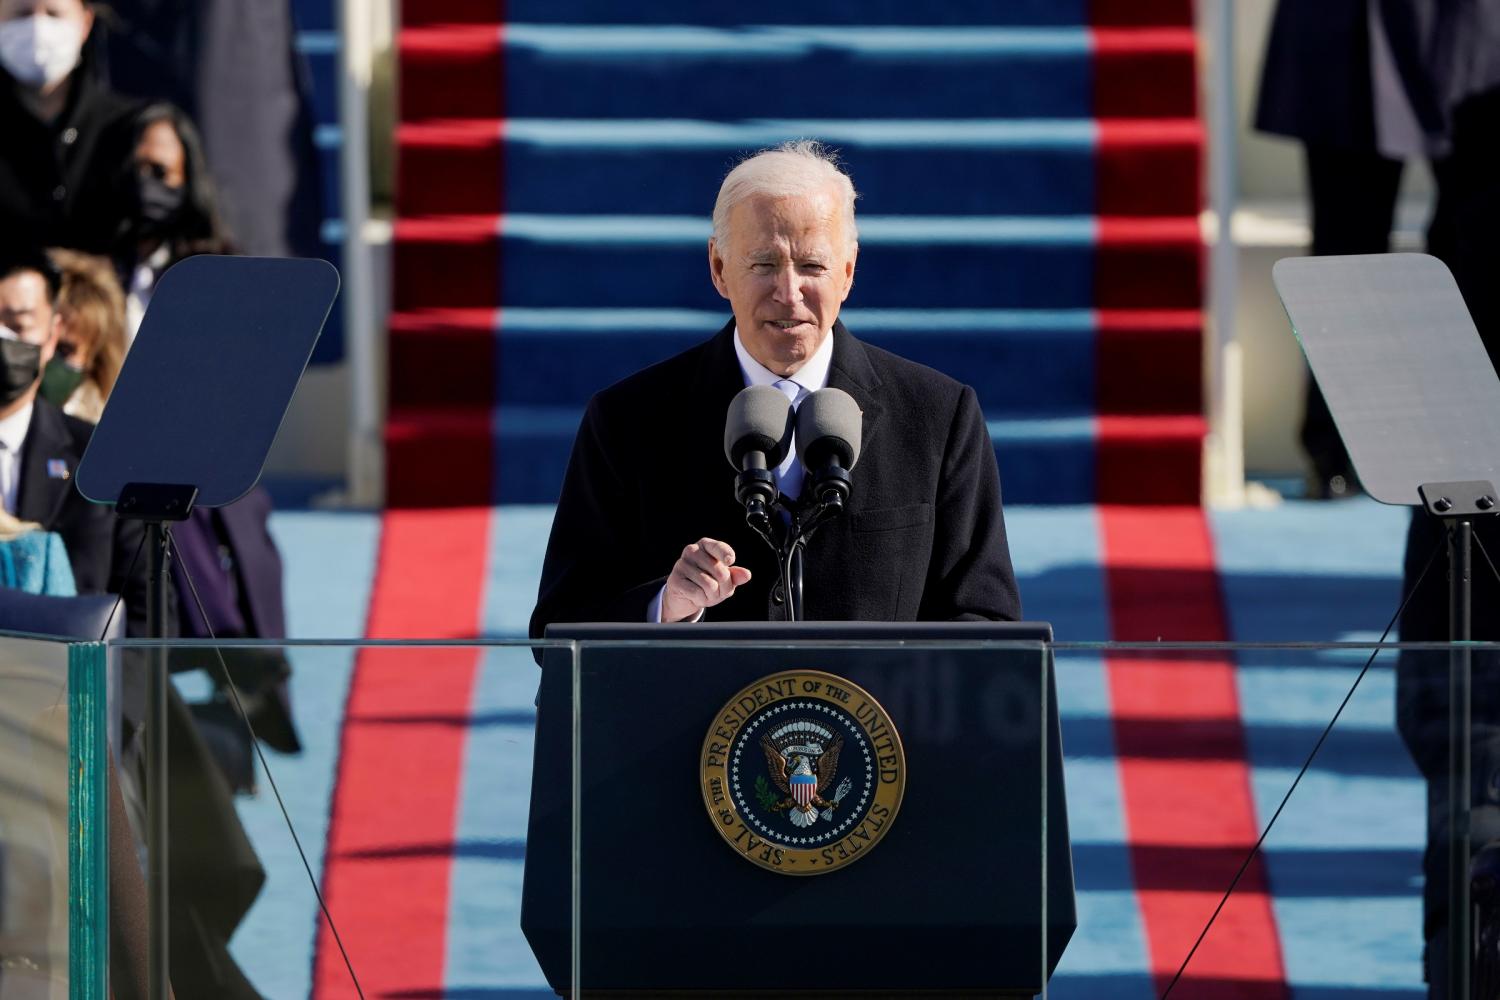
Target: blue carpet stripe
(534, 442)
(792, 42)
(1039, 365)
(798, 81)
(674, 135)
(556, 421)
(1012, 263)
(320, 43)
(1342, 863)
(330, 566)
(690, 230)
(943, 170)
(1072, 429)
(830, 12)
(485, 944)
(1344, 860)
(639, 322)
(316, 43)
(1057, 556)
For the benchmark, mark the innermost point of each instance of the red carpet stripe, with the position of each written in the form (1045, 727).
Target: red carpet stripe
(1141, 72)
(1150, 167)
(1181, 744)
(390, 836)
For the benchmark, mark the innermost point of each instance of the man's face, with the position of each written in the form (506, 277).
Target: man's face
(786, 269)
(25, 310)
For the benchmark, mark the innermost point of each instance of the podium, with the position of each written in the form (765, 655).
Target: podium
(820, 809)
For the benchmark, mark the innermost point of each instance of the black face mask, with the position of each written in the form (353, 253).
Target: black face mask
(157, 205)
(20, 366)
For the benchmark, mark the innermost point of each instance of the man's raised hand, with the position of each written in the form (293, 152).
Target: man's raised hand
(704, 575)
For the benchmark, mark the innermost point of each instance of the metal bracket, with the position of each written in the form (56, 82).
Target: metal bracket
(1464, 499)
(156, 501)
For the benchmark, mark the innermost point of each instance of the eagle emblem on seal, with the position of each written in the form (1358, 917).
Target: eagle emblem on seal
(803, 757)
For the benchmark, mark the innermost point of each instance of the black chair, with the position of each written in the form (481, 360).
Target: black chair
(82, 618)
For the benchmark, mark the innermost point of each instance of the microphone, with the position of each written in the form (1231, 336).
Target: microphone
(829, 424)
(757, 433)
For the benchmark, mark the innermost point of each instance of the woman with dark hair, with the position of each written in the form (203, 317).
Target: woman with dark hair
(173, 208)
(232, 560)
(63, 132)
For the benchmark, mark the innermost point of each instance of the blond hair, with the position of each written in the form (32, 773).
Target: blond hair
(12, 527)
(798, 167)
(93, 305)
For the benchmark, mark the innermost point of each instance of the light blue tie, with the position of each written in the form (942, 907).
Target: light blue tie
(789, 472)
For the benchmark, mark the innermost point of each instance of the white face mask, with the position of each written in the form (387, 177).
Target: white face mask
(40, 50)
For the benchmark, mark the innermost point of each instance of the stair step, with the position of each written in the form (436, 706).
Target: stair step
(833, 12)
(1078, 459)
(907, 262)
(965, 167)
(439, 458)
(1020, 362)
(525, 70)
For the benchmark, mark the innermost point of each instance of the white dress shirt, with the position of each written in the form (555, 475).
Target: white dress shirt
(808, 379)
(12, 436)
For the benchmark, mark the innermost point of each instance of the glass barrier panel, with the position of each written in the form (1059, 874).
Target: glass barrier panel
(1178, 758)
(860, 818)
(398, 775)
(50, 930)
(479, 824)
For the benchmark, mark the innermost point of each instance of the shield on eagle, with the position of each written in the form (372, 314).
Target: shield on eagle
(804, 784)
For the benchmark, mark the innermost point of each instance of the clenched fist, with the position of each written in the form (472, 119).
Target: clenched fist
(704, 575)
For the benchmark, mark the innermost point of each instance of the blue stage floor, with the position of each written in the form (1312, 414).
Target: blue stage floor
(1343, 865)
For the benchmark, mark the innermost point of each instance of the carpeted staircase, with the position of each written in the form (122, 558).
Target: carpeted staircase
(1029, 173)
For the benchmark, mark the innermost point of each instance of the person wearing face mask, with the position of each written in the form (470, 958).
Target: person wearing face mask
(91, 341)
(65, 132)
(40, 446)
(214, 872)
(172, 208)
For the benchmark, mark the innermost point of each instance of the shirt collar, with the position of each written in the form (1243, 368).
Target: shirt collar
(14, 427)
(811, 377)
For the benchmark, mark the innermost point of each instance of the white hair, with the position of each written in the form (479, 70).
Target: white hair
(797, 167)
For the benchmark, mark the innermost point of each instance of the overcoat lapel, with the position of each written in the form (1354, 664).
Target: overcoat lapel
(852, 372)
(45, 457)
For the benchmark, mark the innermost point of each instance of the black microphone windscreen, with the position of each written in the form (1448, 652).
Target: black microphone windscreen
(830, 419)
(759, 419)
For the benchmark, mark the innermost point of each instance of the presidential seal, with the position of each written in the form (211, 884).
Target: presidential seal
(802, 772)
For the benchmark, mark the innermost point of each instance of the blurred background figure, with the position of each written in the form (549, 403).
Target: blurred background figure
(91, 339)
(63, 132)
(172, 206)
(236, 571)
(1333, 80)
(232, 67)
(1366, 85)
(33, 559)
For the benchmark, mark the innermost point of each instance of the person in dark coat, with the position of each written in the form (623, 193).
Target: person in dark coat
(172, 206)
(40, 448)
(213, 869)
(227, 562)
(647, 526)
(1335, 78)
(1451, 69)
(63, 132)
(232, 66)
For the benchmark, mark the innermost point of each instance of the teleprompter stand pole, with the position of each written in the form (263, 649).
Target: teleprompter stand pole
(1457, 504)
(155, 505)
